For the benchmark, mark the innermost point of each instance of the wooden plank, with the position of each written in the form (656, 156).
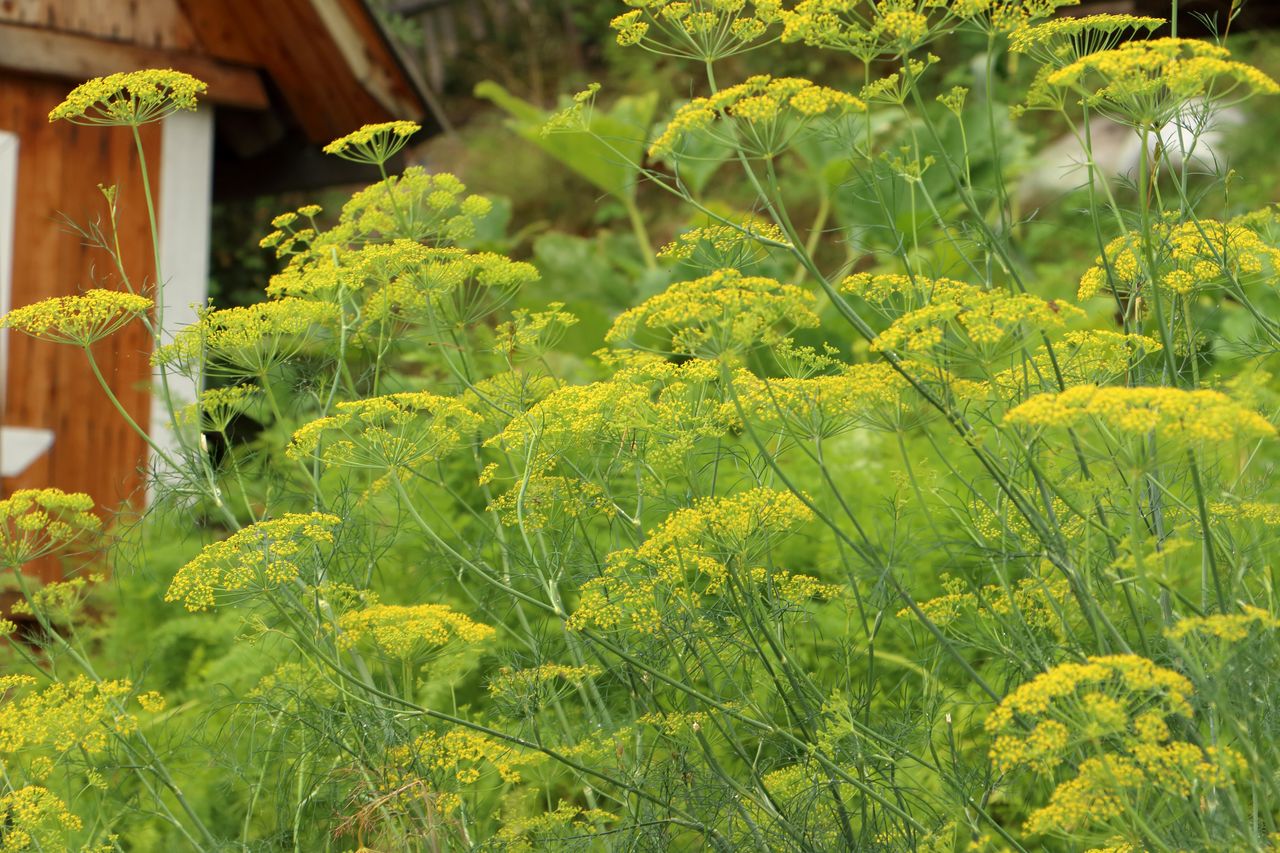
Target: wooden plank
(150, 23)
(73, 57)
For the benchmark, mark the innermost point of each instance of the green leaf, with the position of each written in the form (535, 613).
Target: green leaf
(609, 155)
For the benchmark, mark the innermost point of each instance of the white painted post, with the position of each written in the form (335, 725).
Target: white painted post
(184, 211)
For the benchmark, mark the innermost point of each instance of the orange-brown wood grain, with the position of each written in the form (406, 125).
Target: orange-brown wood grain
(50, 385)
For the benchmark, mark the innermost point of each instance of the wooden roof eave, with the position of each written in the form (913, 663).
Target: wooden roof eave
(31, 50)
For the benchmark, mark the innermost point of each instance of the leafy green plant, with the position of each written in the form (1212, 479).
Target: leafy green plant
(865, 533)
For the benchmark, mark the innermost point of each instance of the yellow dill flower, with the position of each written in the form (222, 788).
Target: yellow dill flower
(720, 313)
(543, 501)
(410, 632)
(1230, 627)
(1189, 257)
(692, 557)
(705, 30)
(1060, 694)
(254, 558)
(414, 205)
(457, 756)
(151, 701)
(723, 246)
(130, 99)
(373, 144)
(1090, 357)
(1175, 414)
(393, 432)
(35, 818)
(1144, 83)
(1066, 39)
(954, 314)
(531, 334)
(216, 408)
(1264, 513)
(763, 113)
(249, 340)
(1037, 602)
(447, 288)
(566, 826)
(822, 406)
(58, 601)
(36, 522)
(79, 320)
(65, 715)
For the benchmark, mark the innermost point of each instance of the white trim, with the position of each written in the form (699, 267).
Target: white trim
(8, 205)
(184, 210)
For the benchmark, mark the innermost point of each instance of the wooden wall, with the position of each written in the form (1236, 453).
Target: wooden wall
(51, 385)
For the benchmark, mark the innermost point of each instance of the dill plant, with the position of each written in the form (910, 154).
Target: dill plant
(504, 599)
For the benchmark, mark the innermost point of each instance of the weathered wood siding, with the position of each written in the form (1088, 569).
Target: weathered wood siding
(49, 385)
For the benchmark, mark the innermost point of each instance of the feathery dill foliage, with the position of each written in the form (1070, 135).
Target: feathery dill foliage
(867, 533)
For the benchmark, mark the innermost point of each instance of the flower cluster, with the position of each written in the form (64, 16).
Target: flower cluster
(532, 334)
(458, 756)
(821, 406)
(954, 313)
(763, 114)
(1189, 257)
(257, 557)
(725, 312)
(409, 632)
(1037, 602)
(545, 500)
(79, 320)
(130, 99)
(1090, 357)
(373, 144)
(697, 554)
(1061, 41)
(76, 714)
(36, 522)
(249, 340)
(567, 825)
(705, 30)
(414, 205)
(446, 287)
(35, 818)
(1174, 414)
(1263, 513)
(722, 246)
(1144, 83)
(1229, 627)
(390, 433)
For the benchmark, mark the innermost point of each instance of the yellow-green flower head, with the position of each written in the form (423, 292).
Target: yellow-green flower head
(725, 312)
(954, 314)
(1064, 40)
(80, 320)
(764, 113)
(1144, 83)
(394, 433)
(1038, 603)
(543, 501)
(373, 144)
(248, 340)
(1228, 627)
(36, 522)
(78, 714)
(1174, 414)
(705, 30)
(130, 99)
(216, 408)
(1091, 357)
(531, 334)
(449, 288)
(1260, 512)
(1189, 257)
(821, 406)
(259, 557)
(695, 555)
(721, 246)
(414, 205)
(410, 632)
(36, 818)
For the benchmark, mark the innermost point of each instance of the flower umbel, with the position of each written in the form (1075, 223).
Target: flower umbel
(130, 99)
